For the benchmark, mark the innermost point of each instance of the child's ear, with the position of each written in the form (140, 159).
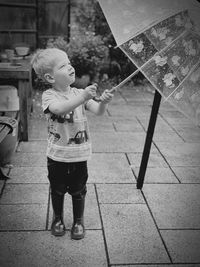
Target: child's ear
(49, 78)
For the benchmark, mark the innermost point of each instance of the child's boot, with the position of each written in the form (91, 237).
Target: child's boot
(78, 229)
(57, 227)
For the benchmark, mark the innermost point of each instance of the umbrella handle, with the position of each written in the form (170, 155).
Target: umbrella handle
(113, 89)
(99, 99)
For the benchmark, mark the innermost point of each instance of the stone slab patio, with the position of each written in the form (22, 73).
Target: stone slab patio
(157, 226)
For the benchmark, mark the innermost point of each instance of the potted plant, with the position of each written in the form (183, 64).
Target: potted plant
(87, 54)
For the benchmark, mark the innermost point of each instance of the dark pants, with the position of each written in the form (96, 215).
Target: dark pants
(66, 177)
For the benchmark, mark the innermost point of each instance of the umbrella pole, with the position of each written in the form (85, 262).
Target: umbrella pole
(113, 89)
(149, 137)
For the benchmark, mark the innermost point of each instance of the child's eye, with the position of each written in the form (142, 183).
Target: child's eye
(65, 65)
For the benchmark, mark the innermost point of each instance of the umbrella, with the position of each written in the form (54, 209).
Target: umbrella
(162, 39)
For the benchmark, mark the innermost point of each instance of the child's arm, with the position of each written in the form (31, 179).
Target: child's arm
(66, 106)
(99, 108)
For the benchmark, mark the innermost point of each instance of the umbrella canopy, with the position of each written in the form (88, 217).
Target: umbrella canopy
(162, 39)
(128, 18)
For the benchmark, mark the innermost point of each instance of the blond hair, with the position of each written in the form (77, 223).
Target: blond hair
(43, 61)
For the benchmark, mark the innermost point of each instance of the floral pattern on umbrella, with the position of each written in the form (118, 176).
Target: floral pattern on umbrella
(187, 97)
(163, 42)
(161, 75)
(166, 53)
(165, 32)
(184, 54)
(139, 49)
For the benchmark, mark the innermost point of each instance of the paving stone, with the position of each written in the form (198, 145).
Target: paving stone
(33, 146)
(29, 159)
(187, 128)
(128, 110)
(158, 175)
(164, 127)
(181, 154)
(34, 133)
(138, 102)
(38, 135)
(104, 142)
(136, 92)
(106, 127)
(160, 123)
(165, 106)
(23, 217)
(41, 249)
(183, 245)
(126, 120)
(92, 118)
(131, 235)
(91, 218)
(163, 131)
(109, 168)
(25, 194)
(172, 114)
(28, 175)
(181, 122)
(119, 142)
(167, 137)
(181, 149)
(190, 135)
(160, 265)
(188, 174)
(174, 206)
(155, 160)
(100, 124)
(119, 193)
(128, 127)
(118, 101)
(130, 232)
(132, 98)
(133, 93)
(34, 120)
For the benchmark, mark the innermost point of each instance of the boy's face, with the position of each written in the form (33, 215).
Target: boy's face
(63, 72)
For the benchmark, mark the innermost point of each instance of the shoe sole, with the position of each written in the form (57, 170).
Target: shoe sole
(58, 234)
(77, 237)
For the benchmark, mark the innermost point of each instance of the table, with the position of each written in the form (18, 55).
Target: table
(21, 75)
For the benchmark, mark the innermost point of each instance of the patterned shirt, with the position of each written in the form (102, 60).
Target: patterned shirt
(68, 135)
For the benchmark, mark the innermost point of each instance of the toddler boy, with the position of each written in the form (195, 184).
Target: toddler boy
(69, 144)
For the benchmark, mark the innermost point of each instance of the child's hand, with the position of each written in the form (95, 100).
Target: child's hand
(106, 97)
(90, 91)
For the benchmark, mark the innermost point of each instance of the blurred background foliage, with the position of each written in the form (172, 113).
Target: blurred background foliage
(75, 26)
(92, 48)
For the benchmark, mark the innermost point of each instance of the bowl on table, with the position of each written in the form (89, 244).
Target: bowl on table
(22, 50)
